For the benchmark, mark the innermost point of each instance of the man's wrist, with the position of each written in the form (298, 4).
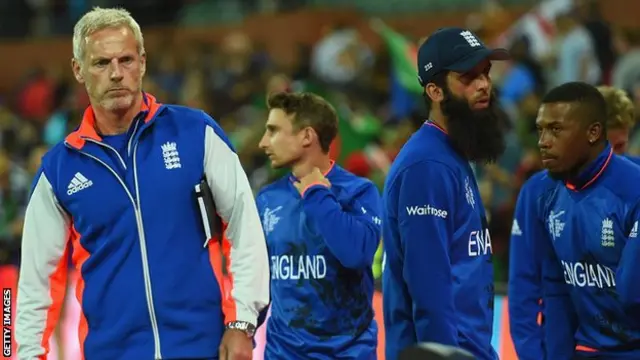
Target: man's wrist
(244, 326)
(313, 186)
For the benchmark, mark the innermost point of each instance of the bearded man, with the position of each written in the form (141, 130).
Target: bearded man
(438, 275)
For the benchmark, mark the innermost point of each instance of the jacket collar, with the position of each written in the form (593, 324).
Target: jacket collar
(87, 127)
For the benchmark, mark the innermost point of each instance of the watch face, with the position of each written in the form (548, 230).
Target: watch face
(243, 326)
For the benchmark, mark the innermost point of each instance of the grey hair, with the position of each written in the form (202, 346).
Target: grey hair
(99, 19)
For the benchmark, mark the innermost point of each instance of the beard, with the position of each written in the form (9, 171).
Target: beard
(478, 135)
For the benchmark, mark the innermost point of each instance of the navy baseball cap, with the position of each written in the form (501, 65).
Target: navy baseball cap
(454, 49)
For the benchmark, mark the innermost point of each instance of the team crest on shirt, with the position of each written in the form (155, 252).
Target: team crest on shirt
(270, 219)
(607, 236)
(468, 193)
(170, 155)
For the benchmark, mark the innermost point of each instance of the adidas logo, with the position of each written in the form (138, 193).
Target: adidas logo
(79, 182)
(634, 230)
(515, 228)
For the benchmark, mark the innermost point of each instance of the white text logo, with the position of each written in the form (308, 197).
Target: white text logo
(79, 182)
(588, 275)
(480, 243)
(426, 210)
(7, 321)
(289, 267)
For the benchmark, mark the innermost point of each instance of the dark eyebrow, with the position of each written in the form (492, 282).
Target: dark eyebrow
(549, 123)
(271, 127)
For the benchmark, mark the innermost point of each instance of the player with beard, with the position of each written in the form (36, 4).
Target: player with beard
(438, 275)
(525, 289)
(583, 214)
(322, 228)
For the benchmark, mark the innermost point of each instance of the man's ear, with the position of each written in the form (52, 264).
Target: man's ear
(76, 67)
(143, 64)
(308, 136)
(434, 92)
(594, 132)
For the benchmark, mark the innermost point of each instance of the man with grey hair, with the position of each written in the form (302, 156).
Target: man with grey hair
(120, 198)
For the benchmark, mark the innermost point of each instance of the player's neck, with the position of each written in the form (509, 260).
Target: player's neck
(438, 119)
(115, 122)
(594, 153)
(596, 150)
(305, 165)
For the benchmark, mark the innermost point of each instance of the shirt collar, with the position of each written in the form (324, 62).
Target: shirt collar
(430, 124)
(589, 175)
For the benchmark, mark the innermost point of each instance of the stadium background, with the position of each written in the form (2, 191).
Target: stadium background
(224, 56)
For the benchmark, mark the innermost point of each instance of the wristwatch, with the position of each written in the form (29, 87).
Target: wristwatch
(244, 326)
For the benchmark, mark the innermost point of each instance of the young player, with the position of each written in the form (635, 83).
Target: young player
(582, 214)
(322, 228)
(524, 289)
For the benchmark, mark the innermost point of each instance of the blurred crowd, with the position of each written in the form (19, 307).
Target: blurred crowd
(42, 18)
(230, 81)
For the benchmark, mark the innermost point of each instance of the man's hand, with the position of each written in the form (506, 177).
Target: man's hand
(314, 177)
(235, 345)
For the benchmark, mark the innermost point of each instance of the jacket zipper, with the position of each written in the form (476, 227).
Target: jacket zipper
(145, 261)
(141, 237)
